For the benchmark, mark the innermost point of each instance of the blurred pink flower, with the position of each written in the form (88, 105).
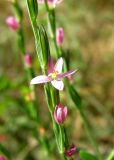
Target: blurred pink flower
(71, 151)
(59, 36)
(60, 113)
(28, 60)
(12, 23)
(70, 78)
(2, 157)
(51, 2)
(54, 75)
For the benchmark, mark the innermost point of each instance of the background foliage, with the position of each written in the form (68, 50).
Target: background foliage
(89, 35)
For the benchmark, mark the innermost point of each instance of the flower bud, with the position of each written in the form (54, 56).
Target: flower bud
(12, 23)
(59, 36)
(60, 113)
(2, 157)
(28, 60)
(71, 151)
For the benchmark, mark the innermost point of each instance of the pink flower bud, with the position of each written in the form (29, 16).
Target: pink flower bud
(59, 36)
(71, 151)
(28, 60)
(2, 157)
(60, 113)
(52, 1)
(12, 23)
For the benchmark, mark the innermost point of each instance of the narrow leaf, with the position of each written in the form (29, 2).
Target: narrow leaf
(33, 9)
(111, 156)
(75, 96)
(87, 156)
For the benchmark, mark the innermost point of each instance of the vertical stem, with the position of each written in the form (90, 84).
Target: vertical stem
(52, 96)
(32, 107)
(55, 95)
(85, 121)
(29, 71)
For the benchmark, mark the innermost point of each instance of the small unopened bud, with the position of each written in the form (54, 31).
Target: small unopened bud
(71, 151)
(59, 36)
(28, 60)
(12, 23)
(2, 157)
(60, 113)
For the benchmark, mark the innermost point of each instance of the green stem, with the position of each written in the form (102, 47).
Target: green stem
(21, 46)
(50, 94)
(85, 121)
(52, 24)
(33, 112)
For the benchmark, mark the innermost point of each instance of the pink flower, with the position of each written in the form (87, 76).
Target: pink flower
(54, 75)
(59, 36)
(2, 157)
(51, 2)
(28, 60)
(71, 151)
(70, 78)
(12, 23)
(60, 113)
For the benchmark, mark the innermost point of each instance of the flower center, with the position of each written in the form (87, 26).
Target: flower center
(54, 75)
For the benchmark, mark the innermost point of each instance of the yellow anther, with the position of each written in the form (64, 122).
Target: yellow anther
(54, 75)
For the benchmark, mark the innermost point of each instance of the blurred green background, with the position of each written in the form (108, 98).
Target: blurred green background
(89, 35)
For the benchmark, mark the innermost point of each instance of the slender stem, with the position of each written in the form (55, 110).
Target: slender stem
(52, 96)
(32, 106)
(58, 53)
(29, 71)
(85, 121)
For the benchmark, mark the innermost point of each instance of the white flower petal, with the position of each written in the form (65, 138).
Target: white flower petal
(58, 84)
(40, 79)
(58, 65)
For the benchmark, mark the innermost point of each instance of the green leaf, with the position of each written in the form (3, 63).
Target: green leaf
(52, 24)
(48, 95)
(42, 46)
(111, 156)
(33, 9)
(75, 96)
(18, 11)
(41, 40)
(61, 139)
(20, 41)
(87, 156)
